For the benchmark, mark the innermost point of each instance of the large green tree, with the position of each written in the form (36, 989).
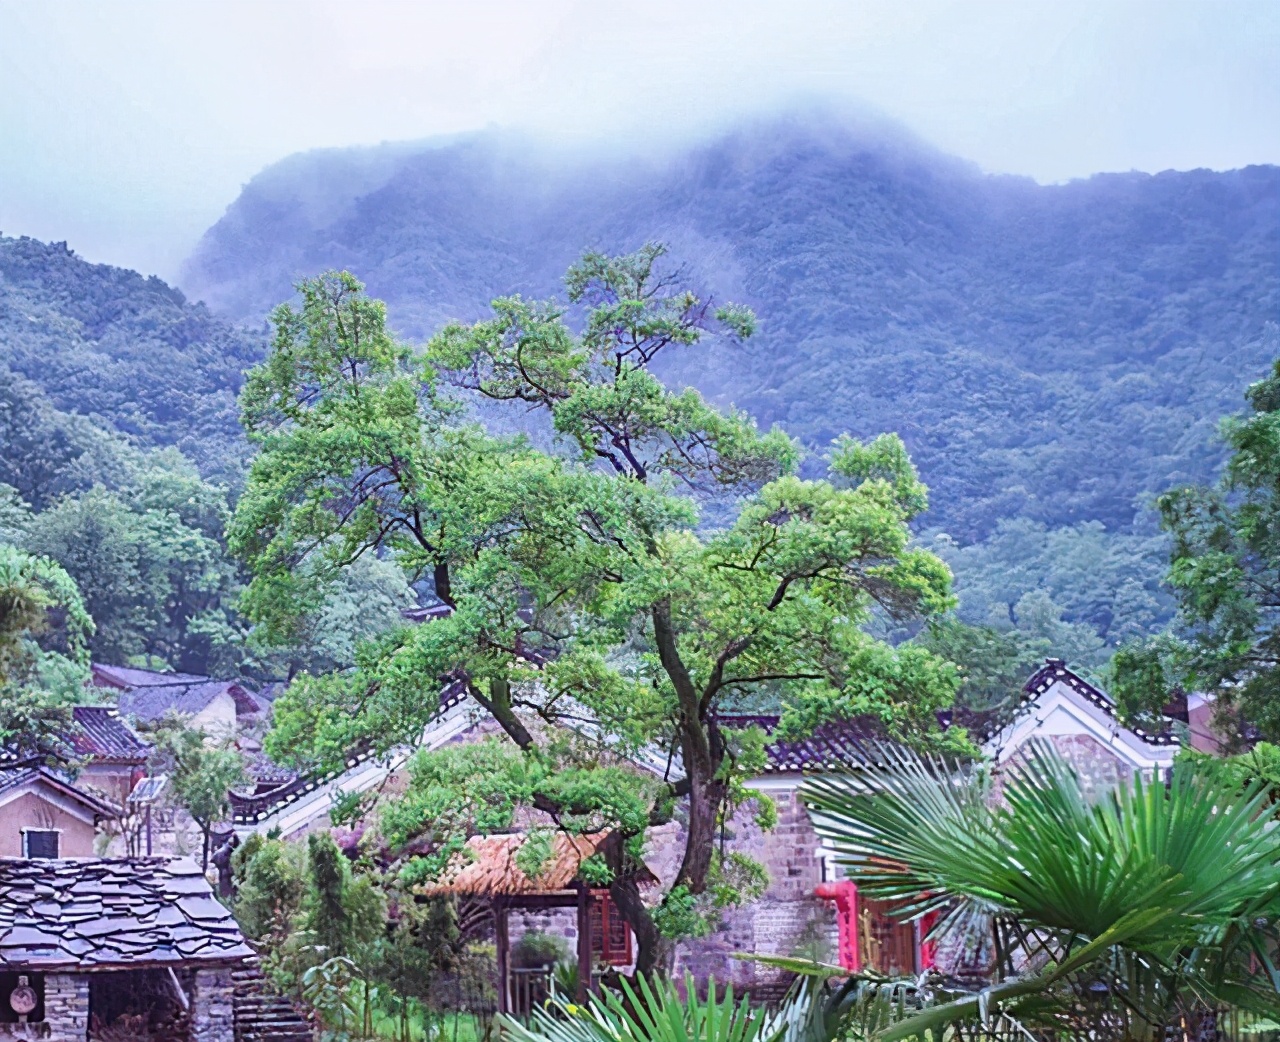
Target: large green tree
(150, 561)
(584, 592)
(38, 601)
(1225, 571)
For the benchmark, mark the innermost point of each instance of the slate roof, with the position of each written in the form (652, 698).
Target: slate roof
(830, 747)
(99, 914)
(148, 695)
(1055, 670)
(99, 733)
(17, 774)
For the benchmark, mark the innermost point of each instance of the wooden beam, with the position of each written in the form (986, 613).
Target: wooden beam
(585, 982)
(503, 943)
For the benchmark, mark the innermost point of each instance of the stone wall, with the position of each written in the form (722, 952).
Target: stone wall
(212, 1010)
(788, 918)
(66, 1006)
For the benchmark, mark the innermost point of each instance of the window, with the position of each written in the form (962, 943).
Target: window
(40, 843)
(610, 934)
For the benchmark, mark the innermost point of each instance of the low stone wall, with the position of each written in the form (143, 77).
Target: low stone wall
(212, 1006)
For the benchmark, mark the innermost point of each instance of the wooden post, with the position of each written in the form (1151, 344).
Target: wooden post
(502, 942)
(585, 982)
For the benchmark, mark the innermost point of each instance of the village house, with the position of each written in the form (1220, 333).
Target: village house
(808, 907)
(220, 708)
(139, 944)
(44, 814)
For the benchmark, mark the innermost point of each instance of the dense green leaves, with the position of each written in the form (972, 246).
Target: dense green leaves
(591, 614)
(1162, 892)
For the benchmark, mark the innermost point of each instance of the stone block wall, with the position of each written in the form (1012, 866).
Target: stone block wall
(212, 1010)
(785, 919)
(66, 1006)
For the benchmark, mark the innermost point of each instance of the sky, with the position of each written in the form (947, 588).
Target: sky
(126, 128)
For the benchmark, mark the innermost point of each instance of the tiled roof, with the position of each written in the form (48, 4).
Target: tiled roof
(112, 913)
(101, 734)
(15, 775)
(488, 866)
(1055, 670)
(124, 677)
(152, 702)
(830, 746)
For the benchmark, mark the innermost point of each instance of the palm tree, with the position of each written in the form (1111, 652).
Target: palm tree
(1138, 916)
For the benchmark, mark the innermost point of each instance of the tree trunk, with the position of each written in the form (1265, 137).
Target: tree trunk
(654, 953)
(706, 795)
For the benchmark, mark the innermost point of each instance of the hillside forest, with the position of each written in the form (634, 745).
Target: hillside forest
(1052, 357)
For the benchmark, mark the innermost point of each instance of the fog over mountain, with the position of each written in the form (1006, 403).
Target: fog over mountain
(1053, 353)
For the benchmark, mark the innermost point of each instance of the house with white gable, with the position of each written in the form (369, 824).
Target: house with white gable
(1080, 721)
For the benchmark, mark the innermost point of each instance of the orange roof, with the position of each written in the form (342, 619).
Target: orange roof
(488, 866)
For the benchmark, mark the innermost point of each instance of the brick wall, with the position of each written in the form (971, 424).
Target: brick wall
(786, 919)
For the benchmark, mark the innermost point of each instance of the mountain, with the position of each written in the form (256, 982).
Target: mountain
(89, 350)
(1054, 353)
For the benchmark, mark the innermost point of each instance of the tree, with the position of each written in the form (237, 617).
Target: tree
(202, 774)
(1130, 918)
(37, 686)
(1225, 571)
(582, 590)
(151, 564)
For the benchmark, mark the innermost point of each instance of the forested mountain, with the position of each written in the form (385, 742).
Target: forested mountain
(1053, 353)
(88, 349)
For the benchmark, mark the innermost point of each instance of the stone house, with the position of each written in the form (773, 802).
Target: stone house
(111, 756)
(106, 941)
(217, 707)
(43, 813)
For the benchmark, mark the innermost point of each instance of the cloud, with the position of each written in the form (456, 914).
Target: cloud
(128, 127)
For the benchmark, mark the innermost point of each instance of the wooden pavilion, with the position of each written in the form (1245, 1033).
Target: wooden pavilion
(488, 868)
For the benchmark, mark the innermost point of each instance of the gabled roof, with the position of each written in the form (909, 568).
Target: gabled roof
(21, 776)
(151, 703)
(1060, 704)
(124, 677)
(99, 734)
(148, 695)
(112, 913)
(829, 747)
(1055, 671)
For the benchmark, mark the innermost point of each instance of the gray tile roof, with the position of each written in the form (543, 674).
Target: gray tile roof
(14, 775)
(112, 913)
(100, 734)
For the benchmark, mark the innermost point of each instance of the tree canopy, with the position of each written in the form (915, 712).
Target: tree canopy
(1225, 572)
(591, 613)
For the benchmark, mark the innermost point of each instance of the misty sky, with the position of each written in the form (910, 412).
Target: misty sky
(127, 128)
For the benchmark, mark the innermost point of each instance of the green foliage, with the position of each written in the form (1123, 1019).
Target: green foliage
(1164, 893)
(582, 590)
(1225, 570)
(38, 601)
(535, 852)
(535, 948)
(651, 1010)
(341, 911)
(202, 771)
(271, 881)
(96, 353)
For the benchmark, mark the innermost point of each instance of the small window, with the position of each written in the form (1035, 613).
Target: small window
(42, 843)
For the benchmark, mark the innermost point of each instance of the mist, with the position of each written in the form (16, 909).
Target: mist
(128, 128)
